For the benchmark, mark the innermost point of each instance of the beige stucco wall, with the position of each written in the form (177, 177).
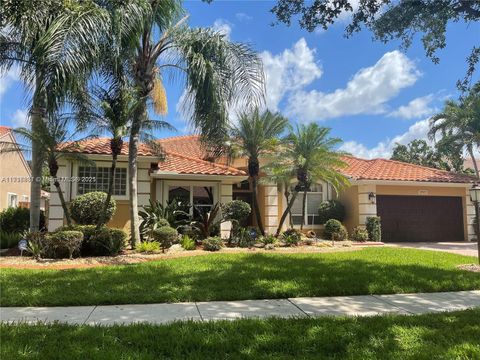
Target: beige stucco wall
(349, 198)
(13, 166)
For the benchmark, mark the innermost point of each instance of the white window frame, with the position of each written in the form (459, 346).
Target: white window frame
(120, 165)
(190, 184)
(25, 198)
(10, 195)
(300, 198)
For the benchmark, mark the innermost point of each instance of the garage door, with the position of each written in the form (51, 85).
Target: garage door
(420, 218)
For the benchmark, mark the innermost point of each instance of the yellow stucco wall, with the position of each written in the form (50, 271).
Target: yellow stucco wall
(349, 198)
(121, 219)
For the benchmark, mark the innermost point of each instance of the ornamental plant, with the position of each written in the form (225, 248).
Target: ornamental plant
(374, 228)
(88, 209)
(165, 236)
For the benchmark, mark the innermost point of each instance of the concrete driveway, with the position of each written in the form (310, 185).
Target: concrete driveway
(462, 248)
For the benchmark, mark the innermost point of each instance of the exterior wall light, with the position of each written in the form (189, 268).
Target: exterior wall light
(372, 197)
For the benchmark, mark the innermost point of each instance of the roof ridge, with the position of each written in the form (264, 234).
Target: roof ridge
(226, 167)
(170, 138)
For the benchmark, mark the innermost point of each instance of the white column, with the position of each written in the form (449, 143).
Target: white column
(143, 184)
(365, 207)
(226, 195)
(271, 208)
(55, 210)
(470, 217)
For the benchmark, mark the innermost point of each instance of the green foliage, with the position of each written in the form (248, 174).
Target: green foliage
(236, 210)
(331, 209)
(107, 242)
(87, 230)
(17, 220)
(291, 237)
(188, 243)
(36, 245)
(334, 230)
(87, 209)
(156, 215)
(9, 240)
(360, 234)
(208, 223)
(148, 247)
(374, 228)
(165, 236)
(63, 244)
(213, 243)
(268, 239)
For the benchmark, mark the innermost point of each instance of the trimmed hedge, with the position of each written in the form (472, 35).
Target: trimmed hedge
(63, 244)
(166, 236)
(331, 209)
(17, 220)
(108, 242)
(374, 228)
(334, 230)
(213, 243)
(360, 234)
(87, 209)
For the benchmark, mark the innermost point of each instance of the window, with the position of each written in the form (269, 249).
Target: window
(314, 198)
(200, 196)
(97, 179)
(12, 200)
(25, 198)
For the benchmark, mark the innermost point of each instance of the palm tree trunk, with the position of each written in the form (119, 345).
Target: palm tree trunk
(475, 166)
(256, 208)
(304, 202)
(285, 213)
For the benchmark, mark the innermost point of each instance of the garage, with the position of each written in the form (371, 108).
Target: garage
(420, 218)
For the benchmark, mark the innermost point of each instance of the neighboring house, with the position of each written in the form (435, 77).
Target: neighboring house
(416, 203)
(14, 174)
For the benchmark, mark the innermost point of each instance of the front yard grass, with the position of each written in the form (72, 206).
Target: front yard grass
(242, 276)
(432, 336)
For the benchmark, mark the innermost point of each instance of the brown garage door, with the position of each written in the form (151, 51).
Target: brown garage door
(420, 218)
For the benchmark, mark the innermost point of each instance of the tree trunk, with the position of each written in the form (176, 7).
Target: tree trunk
(256, 208)
(304, 202)
(62, 200)
(475, 166)
(37, 116)
(285, 213)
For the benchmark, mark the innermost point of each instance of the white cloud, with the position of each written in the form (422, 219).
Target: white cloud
(289, 71)
(20, 118)
(222, 26)
(383, 149)
(366, 93)
(241, 16)
(7, 79)
(415, 109)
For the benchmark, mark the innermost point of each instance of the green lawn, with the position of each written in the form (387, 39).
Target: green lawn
(433, 336)
(242, 276)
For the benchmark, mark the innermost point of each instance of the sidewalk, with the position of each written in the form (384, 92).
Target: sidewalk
(365, 305)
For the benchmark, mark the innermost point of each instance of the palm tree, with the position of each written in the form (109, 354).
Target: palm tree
(256, 135)
(217, 75)
(460, 123)
(53, 45)
(310, 154)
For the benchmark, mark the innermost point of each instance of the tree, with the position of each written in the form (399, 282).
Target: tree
(218, 74)
(460, 123)
(256, 135)
(54, 45)
(390, 20)
(311, 156)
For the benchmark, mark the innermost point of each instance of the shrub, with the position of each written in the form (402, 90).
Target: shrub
(268, 239)
(36, 246)
(17, 220)
(334, 230)
(62, 244)
(107, 242)
(188, 243)
(87, 209)
(237, 211)
(213, 243)
(87, 230)
(162, 222)
(243, 238)
(374, 228)
(9, 240)
(291, 237)
(331, 209)
(148, 247)
(360, 234)
(165, 236)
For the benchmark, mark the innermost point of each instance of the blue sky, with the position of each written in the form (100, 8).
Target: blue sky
(370, 94)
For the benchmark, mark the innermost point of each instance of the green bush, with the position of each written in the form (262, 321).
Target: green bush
(87, 209)
(165, 236)
(331, 209)
(148, 247)
(188, 243)
(9, 240)
(268, 239)
(87, 230)
(36, 245)
(107, 242)
(63, 244)
(162, 222)
(291, 237)
(374, 228)
(17, 220)
(213, 243)
(334, 230)
(360, 234)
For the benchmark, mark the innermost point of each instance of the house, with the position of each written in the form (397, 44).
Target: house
(14, 174)
(416, 203)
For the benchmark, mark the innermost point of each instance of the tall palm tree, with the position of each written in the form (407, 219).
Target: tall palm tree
(256, 135)
(460, 123)
(310, 154)
(216, 72)
(53, 45)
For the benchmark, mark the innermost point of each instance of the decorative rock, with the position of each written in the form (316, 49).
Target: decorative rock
(176, 248)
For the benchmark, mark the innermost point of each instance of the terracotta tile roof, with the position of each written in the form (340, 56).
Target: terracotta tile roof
(383, 169)
(188, 144)
(4, 130)
(101, 146)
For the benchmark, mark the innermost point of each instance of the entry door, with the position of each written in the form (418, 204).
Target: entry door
(420, 218)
